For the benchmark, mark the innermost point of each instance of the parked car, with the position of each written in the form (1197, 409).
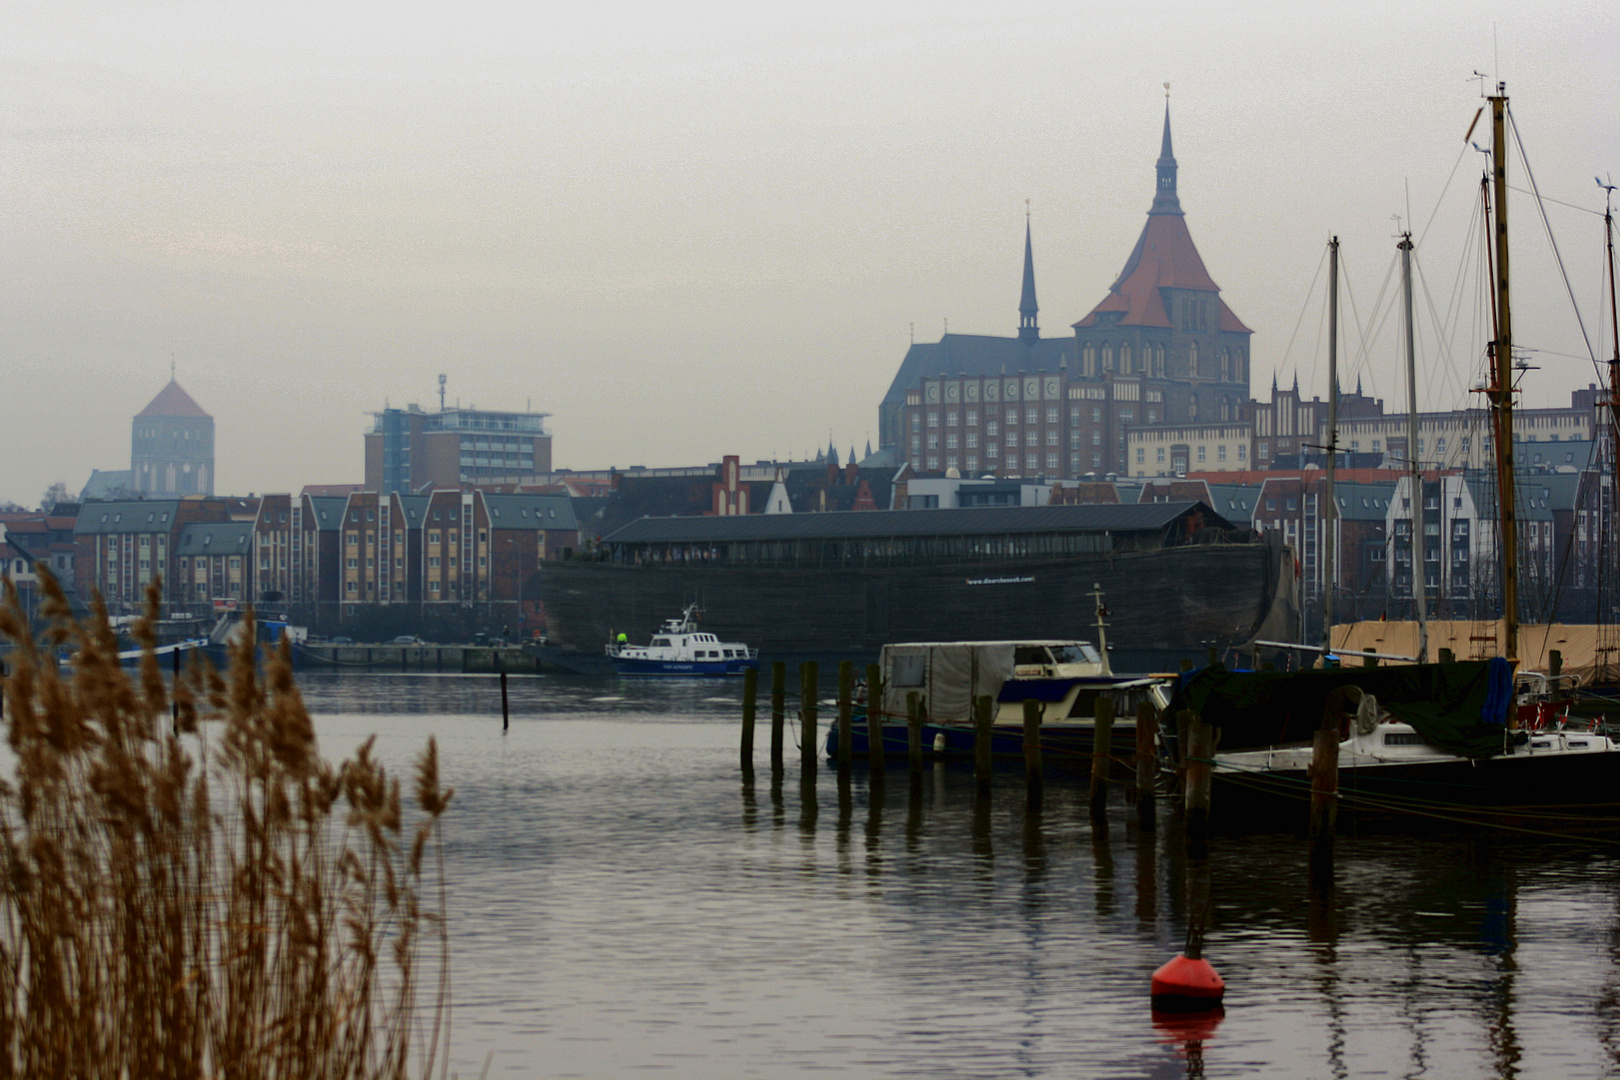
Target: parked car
(343, 641)
(408, 639)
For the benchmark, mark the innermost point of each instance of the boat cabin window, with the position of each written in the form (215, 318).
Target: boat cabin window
(1078, 653)
(1402, 738)
(659, 639)
(1031, 654)
(909, 670)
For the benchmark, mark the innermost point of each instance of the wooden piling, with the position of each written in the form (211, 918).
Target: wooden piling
(1324, 773)
(846, 723)
(1102, 745)
(174, 691)
(778, 713)
(1447, 656)
(874, 722)
(914, 715)
(1034, 781)
(1186, 664)
(1200, 751)
(750, 690)
(983, 713)
(1184, 720)
(1147, 760)
(807, 715)
(1213, 655)
(506, 715)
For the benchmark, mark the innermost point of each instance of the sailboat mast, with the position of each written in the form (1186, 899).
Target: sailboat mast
(1614, 363)
(1419, 586)
(1502, 392)
(1330, 519)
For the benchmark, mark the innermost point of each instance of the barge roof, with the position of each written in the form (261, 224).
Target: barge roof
(973, 521)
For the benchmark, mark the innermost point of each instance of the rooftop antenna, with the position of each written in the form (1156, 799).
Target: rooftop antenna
(442, 380)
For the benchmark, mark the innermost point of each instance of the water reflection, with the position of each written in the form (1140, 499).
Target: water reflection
(622, 903)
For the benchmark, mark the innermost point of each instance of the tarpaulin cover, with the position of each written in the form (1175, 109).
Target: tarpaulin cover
(1460, 707)
(1588, 652)
(948, 676)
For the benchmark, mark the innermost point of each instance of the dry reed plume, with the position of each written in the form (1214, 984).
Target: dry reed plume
(188, 890)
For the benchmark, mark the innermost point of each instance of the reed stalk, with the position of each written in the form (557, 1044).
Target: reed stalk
(197, 892)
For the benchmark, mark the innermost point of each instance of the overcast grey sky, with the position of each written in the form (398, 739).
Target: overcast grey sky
(687, 230)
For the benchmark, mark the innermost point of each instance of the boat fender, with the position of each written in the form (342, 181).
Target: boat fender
(939, 742)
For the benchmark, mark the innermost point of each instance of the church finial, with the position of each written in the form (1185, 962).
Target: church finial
(1164, 194)
(1028, 329)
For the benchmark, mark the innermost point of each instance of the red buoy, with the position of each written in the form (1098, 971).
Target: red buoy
(1184, 985)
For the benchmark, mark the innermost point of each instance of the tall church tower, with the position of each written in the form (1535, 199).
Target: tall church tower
(1163, 334)
(172, 446)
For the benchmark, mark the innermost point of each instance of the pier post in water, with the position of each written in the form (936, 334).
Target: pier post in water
(874, 722)
(1034, 782)
(983, 713)
(1102, 745)
(1147, 760)
(914, 753)
(750, 691)
(1447, 656)
(846, 725)
(778, 714)
(506, 714)
(1324, 773)
(1200, 752)
(1184, 721)
(807, 715)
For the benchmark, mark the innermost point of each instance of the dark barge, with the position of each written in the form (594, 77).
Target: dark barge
(1177, 578)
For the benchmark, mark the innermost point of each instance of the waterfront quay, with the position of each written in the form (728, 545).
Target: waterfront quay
(470, 659)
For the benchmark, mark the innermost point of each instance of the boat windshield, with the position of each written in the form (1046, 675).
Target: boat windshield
(1078, 653)
(659, 639)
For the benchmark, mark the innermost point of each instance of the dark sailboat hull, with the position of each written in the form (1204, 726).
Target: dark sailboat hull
(1163, 603)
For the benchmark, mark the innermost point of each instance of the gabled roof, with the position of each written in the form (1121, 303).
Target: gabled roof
(977, 355)
(172, 401)
(328, 510)
(140, 515)
(530, 512)
(214, 538)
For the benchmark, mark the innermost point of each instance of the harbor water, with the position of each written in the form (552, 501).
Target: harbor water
(623, 902)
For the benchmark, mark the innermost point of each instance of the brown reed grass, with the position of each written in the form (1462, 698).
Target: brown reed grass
(188, 890)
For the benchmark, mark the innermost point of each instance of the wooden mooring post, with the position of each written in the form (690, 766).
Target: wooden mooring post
(914, 715)
(506, 712)
(174, 691)
(846, 721)
(1102, 745)
(778, 714)
(874, 722)
(807, 716)
(1324, 772)
(1147, 761)
(750, 690)
(983, 714)
(1034, 781)
(1200, 752)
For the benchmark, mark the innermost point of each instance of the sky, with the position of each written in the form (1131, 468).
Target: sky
(691, 230)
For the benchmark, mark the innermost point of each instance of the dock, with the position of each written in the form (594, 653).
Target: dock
(486, 659)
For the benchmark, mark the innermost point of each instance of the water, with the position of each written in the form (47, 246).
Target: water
(624, 904)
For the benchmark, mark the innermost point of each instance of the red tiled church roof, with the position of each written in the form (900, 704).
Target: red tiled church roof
(173, 401)
(1164, 258)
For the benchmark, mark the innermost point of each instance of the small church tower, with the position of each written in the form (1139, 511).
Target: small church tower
(1028, 328)
(172, 446)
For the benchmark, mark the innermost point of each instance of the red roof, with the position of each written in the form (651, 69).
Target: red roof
(173, 401)
(1164, 258)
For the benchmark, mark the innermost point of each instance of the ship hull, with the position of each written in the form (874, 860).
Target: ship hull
(1167, 602)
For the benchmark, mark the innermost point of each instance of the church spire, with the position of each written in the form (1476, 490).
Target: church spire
(1028, 330)
(1164, 195)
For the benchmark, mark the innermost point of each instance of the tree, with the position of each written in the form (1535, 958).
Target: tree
(56, 493)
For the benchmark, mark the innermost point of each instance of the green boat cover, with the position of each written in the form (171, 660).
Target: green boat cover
(1459, 707)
